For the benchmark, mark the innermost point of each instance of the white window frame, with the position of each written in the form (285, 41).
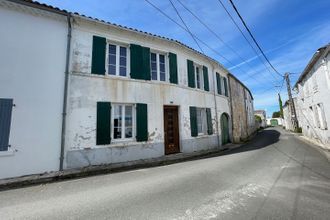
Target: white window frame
(204, 121)
(123, 138)
(118, 45)
(201, 77)
(167, 78)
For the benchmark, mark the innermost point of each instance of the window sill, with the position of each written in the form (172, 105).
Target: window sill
(7, 153)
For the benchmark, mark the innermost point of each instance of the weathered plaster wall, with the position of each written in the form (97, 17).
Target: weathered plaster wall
(243, 121)
(87, 89)
(32, 64)
(315, 89)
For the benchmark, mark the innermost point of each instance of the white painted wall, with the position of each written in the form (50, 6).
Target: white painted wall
(87, 89)
(32, 64)
(315, 89)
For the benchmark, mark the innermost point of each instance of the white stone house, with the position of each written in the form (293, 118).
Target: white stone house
(313, 105)
(157, 95)
(262, 115)
(76, 92)
(33, 45)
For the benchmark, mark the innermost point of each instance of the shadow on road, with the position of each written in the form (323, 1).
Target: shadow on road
(261, 140)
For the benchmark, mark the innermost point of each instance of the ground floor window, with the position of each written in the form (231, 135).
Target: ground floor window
(123, 121)
(201, 121)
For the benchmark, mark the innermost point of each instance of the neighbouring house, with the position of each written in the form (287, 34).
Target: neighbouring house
(262, 115)
(274, 121)
(32, 65)
(242, 109)
(313, 105)
(288, 115)
(76, 92)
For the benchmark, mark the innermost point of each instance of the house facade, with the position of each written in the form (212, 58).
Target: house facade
(106, 94)
(262, 115)
(313, 106)
(242, 109)
(32, 65)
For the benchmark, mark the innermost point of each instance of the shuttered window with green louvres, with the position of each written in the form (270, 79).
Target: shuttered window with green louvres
(193, 121)
(209, 121)
(191, 74)
(140, 62)
(206, 78)
(225, 85)
(141, 122)
(103, 119)
(218, 83)
(98, 55)
(173, 68)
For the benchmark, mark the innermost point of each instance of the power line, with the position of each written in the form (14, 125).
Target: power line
(182, 27)
(218, 37)
(254, 40)
(240, 30)
(184, 23)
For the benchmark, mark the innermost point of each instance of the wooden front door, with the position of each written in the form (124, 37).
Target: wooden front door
(171, 129)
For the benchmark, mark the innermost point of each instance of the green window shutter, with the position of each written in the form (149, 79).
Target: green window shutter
(98, 55)
(103, 120)
(209, 121)
(146, 63)
(218, 83)
(193, 121)
(173, 68)
(191, 74)
(206, 78)
(225, 85)
(141, 122)
(140, 62)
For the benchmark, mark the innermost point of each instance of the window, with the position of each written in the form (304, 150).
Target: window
(321, 116)
(158, 67)
(123, 121)
(117, 60)
(201, 121)
(199, 77)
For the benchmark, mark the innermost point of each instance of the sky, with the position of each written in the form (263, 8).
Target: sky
(289, 32)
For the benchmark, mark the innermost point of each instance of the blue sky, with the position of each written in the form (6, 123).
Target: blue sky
(288, 31)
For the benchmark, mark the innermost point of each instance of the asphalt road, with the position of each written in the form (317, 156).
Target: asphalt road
(276, 176)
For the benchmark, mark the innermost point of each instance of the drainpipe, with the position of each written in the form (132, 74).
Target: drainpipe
(65, 95)
(215, 105)
(231, 108)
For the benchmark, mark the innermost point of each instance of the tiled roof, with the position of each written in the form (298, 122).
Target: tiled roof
(47, 7)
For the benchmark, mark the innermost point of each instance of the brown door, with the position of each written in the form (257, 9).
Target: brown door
(171, 129)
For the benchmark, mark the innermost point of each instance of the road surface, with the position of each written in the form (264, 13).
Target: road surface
(276, 176)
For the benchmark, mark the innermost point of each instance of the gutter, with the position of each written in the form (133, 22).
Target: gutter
(215, 105)
(65, 95)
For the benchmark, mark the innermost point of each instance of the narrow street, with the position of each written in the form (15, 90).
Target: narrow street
(276, 176)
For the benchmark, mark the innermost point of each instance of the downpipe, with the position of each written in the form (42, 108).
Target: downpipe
(65, 95)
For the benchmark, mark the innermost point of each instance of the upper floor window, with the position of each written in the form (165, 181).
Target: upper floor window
(158, 66)
(117, 60)
(199, 77)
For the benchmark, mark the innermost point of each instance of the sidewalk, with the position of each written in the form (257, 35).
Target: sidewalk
(316, 145)
(22, 181)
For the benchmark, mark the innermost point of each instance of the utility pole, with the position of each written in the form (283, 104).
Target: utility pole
(294, 118)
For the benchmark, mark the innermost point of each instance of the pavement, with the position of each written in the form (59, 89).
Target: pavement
(275, 176)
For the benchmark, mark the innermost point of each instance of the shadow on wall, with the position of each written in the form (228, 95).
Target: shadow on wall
(261, 140)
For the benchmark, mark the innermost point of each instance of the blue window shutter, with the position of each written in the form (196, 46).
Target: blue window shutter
(98, 55)
(218, 83)
(173, 68)
(140, 62)
(103, 120)
(6, 106)
(209, 121)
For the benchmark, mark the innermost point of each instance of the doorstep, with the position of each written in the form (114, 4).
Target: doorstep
(16, 182)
